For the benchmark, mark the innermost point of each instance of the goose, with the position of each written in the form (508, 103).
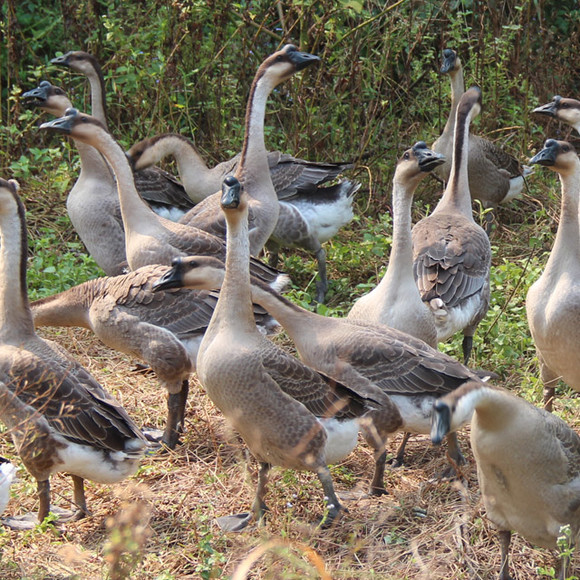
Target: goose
(564, 109)
(253, 167)
(164, 329)
(495, 176)
(290, 176)
(7, 476)
(149, 238)
(553, 301)
(527, 464)
(310, 214)
(396, 301)
(356, 353)
(58, 415)
(93, 203)
(287, 413)
(451, 253)
(159, 188)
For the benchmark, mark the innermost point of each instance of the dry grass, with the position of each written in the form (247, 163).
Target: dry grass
(161, 524)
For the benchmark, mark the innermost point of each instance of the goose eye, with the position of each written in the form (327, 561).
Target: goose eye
(406, 155)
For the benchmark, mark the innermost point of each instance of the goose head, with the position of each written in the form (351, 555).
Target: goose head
(74, 123)
(284, 63)
(79, 61)
(562, 108)
(47, 97)
(417, 162)
(232, 194)
(450, 63)
(560, 156)
(197, 272)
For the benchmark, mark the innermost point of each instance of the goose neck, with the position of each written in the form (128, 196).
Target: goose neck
(402, 248)
(457, 195)
(234, 307)
(457, 89)
(567, 241)
(98, 98)
(15, 316)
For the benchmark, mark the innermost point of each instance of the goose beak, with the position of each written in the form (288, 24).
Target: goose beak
(35, 97)
(448, 64)
(173, 278)
(547, 156)
(60, 60)
(302, 59)
(231, 193)
(426, 158)
(62, 124)
(549, 109)
(440, 422)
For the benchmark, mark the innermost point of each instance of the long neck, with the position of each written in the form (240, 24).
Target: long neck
(136, 213)
(567, 243)
(68, 308)
(93, 163)
(254, 152)
(234, 311)
(401, 258)
(457, 89)
(15, 317)
(98, 99)
(456, 196)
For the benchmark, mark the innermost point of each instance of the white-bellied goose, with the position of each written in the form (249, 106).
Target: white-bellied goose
(163, 329)
(528, 464)
(360, 355)
(310, 213)
(288, 414)
(7, 475)
(159, 188)
(396, 301)
(451, 253)
(92, 203)
(59, 417)
(290, 176)
(253, 168)
(495, 176)
(553, 301)
(564, 109)
(149, 238)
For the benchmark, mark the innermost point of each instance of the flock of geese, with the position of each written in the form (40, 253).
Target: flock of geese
(168, 246)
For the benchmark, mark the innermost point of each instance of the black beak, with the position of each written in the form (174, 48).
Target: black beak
(173, 278)
(448, 63)
(231, 193)
(550, 109)
(440, 422)
(426, 158)
(302, 59)
(547, 156)
(62, 124)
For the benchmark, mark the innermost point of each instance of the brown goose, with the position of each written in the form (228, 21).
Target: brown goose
(564, 109)
(360, 355)
(494, 176)
(92, 203)
(164, 329)
(528, 464)
(149, 238)
(288, 414)
(451, 253)
(310, 214)
(253, 167)
(159, 188)
(553, 301)
(59, 417)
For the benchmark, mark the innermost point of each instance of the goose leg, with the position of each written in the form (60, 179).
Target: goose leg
(550, 381)
(399, 459)
(467, 346)
(322, 282)
(455, 456)
(332, 504)
(176, 403)
(504, 543)
(79, 497)
(238, 522)
(43, 490)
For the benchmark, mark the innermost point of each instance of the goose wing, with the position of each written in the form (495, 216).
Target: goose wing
(448, 262)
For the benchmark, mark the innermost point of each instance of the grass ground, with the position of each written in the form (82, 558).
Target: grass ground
(161, 523)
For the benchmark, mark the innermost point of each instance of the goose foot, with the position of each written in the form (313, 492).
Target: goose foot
(29, 521)
(236, 522)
